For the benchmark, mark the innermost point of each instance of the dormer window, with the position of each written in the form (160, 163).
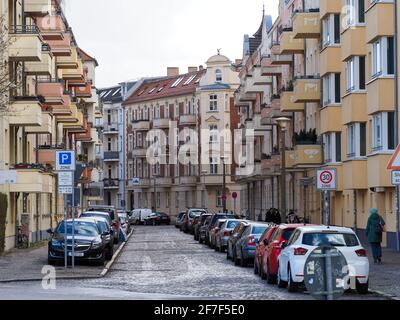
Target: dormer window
(218, 75)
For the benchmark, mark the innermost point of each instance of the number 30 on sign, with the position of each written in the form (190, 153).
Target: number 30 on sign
(326, 179)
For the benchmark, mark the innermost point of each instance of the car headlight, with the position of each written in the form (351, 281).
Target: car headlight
(56, 243)
(97, 244)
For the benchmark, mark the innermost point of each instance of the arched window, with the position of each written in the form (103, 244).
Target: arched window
(218, 75)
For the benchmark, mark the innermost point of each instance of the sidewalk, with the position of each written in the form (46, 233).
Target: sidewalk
(385, 278)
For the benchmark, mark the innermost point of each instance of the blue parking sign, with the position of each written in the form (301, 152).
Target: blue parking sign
(65, 161)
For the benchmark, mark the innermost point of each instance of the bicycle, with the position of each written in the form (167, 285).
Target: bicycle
(22, 240)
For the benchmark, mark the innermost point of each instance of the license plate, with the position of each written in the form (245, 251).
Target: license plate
(76, 254)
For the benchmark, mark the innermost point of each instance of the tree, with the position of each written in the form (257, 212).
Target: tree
(3, 219)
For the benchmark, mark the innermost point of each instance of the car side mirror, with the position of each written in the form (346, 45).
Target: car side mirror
(50, 231)
(105, 233)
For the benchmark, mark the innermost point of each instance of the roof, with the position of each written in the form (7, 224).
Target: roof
(251, 44)
(86, 57)
(218, 58)
(216, 86)
(166, 87)
(325, 228)
(111, 95)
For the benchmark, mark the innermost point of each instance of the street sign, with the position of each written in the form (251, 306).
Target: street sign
(135, 181)
(234, 195)
(8, 176)
(396, 178)
(394, 163)
(66, 179)
(65, 161)
(326, 179)
(65, 190)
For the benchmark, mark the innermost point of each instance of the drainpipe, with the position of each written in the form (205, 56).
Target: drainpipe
(355, 209)
(396, 108)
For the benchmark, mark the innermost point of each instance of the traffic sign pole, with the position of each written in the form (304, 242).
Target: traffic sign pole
(328, 207)
(65, 235)
(73, 228)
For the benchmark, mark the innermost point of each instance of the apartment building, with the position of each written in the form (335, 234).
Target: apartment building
(329, 66)
(114, 141)
(50, 105)
(175, 109)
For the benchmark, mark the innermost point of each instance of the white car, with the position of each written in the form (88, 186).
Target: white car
(305, 239)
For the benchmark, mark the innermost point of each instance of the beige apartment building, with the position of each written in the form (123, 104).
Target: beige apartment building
(329, 66)
(179, 106)
(49, 103)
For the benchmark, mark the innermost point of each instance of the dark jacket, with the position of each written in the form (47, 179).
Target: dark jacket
(374, 228)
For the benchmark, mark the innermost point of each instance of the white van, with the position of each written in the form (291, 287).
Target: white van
(139, 215)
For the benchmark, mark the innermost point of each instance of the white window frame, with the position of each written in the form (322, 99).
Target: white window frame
(380, 138)
(218, 75)
(380, 58)
(214, 134)
(213, 103)
(213, 166)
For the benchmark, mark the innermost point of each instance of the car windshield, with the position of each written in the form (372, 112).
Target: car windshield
(330, 239)
(197, 213)
(286, 234)
(81, 229)
(258, 229)
(89, 215)
(231, 224)
(103, 226)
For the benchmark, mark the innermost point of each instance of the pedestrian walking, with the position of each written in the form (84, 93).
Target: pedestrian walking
(376, 226)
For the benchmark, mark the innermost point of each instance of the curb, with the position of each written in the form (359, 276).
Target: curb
(102, 274)
(383, 294)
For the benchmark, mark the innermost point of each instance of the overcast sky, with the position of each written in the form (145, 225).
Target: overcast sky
(133, 39)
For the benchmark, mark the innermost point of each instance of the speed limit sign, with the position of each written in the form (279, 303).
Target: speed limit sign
(326, 179)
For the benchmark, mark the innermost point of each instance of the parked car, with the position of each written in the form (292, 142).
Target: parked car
(214, 231)
(184, 223)
(292, 260)
(203, 229)
(269, 261)
(112, 212)
(90, 243)
(214, 220)
(157, 219)
(246, 246)
(115, 226)
(190, 221)
(262, 243)
(128, 215)
(236, 234)
(125, 225)
(199, 224)
(179, 219)
(140, 215)
(221, 241)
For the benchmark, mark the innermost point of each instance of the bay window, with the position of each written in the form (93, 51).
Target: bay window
(356, 140)
(333, 147)
(331, 89)
(331, 30)
(383, 136)
(383, 57)
(355, 74)
(355, 12)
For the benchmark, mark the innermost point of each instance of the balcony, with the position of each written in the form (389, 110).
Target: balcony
(64, 111)
(37, 7)
(42, 68)
(25, 111)
(45, 128)
(25, 44)
(84, 91)
(69, 62)
(47, 155)
(188, 119)
(141, 125)
(354, 108)
(378, 176)
(61, 47)
(268, 69)
(380, 95)
(331, 119)
(331, 60)
(51, 90)
(379, 20)
(87, 136)
(271, 164)
(330, 6)
(139, 152)
(93, 192)
(111, 129)
(307, 155)
(110, 184)
(31, 180)
(51, 27)
(256, 124)
(278, 59)
(270, 113)
(353, 42)
(161, 123)
(260, 78)
(288, 103)
(164, 182)
(188, 180)
(289, 44)
(74, 74)
(354, 175)
(244, 98)
(307, 89)
(307, 25)
(143, 183)
(111, 156)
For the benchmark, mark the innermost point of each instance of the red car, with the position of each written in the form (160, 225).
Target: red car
(269, 260)
(263, 242)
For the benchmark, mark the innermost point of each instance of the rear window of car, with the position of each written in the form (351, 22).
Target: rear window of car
(258, 229)
(287, 233)
(231, 224)
(330, 239)
(89, 214)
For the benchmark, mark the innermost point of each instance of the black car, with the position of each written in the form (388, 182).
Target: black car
(203, 229)
(199, 224)
(157, 218)
(108, 232)
(234, 238)
(213, 224)
(115, 226)
(90, 243)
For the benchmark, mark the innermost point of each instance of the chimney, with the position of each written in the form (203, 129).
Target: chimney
(172, 71)
(192, 69)
(201, 68)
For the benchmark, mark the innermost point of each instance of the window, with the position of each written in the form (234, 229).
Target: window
(177, 199)
(213, 166)
(168, 200)
(383, 137)
(157, 112)
(356, 138)
(355, 12)
(158, 199)
(187, 199)
(177, 82)
(355, 73)
(331, 89)
(383, 57)
(130, 142)
(213, 102)
(218, 75)
(219, 198)
(333, 147)
(331, 30)
(188, 81)
(214, 133)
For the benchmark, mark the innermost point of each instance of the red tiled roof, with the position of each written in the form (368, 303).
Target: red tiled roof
(162, 88)
(86, 57)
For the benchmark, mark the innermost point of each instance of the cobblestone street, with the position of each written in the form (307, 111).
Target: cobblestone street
(162, 263)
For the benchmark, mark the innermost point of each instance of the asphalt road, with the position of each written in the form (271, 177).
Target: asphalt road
(162, 263)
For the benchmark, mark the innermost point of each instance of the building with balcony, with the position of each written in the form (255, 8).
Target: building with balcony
(41, 115)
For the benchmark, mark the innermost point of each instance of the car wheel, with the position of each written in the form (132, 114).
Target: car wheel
(110, 253)
(256, 266)
(235, 259)
(200, 240)
(292, 286)
(101, 261)
(270, 278)
(51, 262)
(362, 288)
(243, 261)
(262, 273)
(228, 257)
(281, 284)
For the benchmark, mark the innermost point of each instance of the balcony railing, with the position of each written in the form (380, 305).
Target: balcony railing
(111, 183)
(24, 30)
(111, 155)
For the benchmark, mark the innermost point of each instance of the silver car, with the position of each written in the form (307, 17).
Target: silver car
(222, 237)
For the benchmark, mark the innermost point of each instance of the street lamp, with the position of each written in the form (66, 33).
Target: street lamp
(155, 176)
(283, 124)
(224, 184)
